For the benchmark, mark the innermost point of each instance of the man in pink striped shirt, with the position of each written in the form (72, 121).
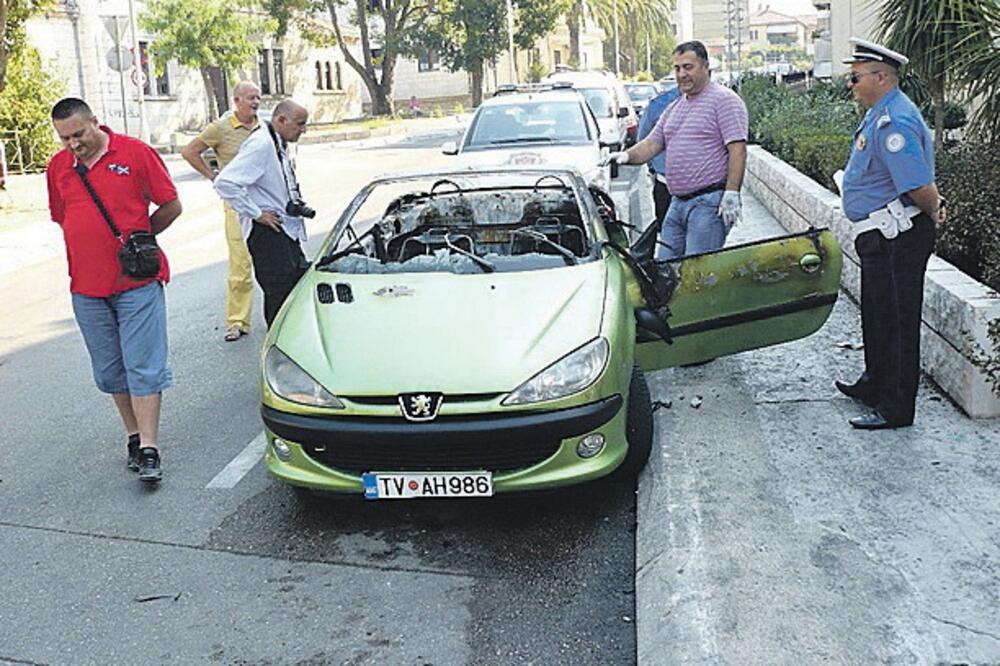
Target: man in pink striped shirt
(704, 134)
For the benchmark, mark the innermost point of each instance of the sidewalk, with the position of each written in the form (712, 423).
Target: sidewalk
(28, 237)
(771, 532)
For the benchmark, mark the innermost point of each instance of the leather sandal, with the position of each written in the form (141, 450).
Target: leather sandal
(233, 333)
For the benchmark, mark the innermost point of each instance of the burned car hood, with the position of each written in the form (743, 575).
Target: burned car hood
(378, 335)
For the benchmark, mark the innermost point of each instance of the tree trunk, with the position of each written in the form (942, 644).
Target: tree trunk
(213, 107)
(574, 21)
(476, 70)
(4, 53)
(937, 100)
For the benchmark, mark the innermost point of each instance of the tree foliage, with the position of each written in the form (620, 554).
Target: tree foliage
(637, 20)
(25, 104)
(941, 38)
(13, 14)
(203, 34)
(469, 33)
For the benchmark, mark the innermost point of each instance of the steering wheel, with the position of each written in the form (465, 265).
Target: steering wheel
(444, 181)
(553, 177)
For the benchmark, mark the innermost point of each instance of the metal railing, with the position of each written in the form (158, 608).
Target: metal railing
(23, 153)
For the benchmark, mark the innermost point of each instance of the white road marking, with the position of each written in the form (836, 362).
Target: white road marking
(238, 467)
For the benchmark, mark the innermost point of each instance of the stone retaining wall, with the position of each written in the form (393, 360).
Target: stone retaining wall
(957, 308)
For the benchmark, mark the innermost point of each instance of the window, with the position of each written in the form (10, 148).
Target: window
(329, 78)
(263, 72)
(159, 87)
(427, 61)
(340, 82)
(319, 76)
(557, 57)
(278, 62)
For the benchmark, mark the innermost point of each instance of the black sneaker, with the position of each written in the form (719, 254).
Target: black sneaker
(149, 465)
(133, 452)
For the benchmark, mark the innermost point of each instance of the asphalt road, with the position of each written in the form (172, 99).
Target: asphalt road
(100, 570)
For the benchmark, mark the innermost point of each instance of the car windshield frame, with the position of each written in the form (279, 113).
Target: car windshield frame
(604, 90)
(468, 143)
(593, 227)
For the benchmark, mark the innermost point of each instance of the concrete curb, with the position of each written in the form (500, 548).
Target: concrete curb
(957, 308)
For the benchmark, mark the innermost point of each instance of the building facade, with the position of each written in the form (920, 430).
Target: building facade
(427, 79)
(89, 45)
(722, 25)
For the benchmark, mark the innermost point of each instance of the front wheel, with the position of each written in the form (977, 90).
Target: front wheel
(638, 425)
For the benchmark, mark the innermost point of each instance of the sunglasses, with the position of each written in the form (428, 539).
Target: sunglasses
(856, 76)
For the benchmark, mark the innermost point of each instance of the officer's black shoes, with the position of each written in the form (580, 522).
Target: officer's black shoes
(149, 465)
(875, 421)
(133, 452)
(858, 391)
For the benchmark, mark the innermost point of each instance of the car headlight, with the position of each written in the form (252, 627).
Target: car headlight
(570, 374)
(293, 383)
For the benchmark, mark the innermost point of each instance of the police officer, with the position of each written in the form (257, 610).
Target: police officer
(890, 196)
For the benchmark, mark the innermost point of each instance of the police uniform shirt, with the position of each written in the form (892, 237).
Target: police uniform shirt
(892, 153)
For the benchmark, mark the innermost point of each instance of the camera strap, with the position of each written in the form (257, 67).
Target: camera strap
(82, 171)
(281, 163)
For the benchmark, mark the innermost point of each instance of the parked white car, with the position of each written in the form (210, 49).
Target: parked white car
(607, 98)
(525, 125)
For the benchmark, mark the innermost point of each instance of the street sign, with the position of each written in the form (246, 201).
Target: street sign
(138, 78)
(119, 59)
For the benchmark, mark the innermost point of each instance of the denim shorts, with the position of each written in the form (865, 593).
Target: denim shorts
(126, 335)
(692, 226)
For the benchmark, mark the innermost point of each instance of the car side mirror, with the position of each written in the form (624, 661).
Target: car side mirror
(449, 148)
(623, 112)
(649, 321)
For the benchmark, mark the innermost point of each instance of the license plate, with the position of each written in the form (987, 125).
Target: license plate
(407, 485)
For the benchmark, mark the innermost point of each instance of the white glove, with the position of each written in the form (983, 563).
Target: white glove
(620, 158)
(731, 209)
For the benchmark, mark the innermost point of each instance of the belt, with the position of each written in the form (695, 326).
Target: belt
(892, 220)
(705, 190)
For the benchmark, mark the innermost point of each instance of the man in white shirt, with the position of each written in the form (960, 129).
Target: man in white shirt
(260, 184)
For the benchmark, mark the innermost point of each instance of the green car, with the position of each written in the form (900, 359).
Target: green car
(467, 333)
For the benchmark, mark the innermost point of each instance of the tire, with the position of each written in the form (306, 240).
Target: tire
(638, 425)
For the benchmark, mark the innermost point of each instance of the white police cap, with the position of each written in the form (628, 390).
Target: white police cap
(865, 51)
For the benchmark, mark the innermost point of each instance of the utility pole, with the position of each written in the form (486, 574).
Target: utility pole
(649, 56)
(618, 67)
(510, 41)
(140, 83)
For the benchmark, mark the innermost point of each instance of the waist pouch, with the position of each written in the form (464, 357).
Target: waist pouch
(890, 221)
(139, 256)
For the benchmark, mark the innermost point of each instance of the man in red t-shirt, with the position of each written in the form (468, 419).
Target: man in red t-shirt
(122, 319)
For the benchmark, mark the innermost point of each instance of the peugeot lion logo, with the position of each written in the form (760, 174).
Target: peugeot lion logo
(420, 406)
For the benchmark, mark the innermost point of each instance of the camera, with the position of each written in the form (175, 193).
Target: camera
(299, 208)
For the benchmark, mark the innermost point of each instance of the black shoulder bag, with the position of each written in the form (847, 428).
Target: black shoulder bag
(139, 255)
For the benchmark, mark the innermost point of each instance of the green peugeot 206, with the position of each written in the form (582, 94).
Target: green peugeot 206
(463, 334)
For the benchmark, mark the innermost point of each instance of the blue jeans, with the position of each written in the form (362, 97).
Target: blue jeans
(126, 335)
(692, 226)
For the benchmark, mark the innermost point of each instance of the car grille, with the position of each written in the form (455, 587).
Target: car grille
(408, 456)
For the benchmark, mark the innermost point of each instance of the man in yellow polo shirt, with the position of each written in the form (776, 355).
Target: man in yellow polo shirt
(225, 136)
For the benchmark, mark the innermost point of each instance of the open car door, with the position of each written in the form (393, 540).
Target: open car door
(743, 297)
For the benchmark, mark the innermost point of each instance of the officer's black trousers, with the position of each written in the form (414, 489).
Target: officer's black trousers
(892, 291)
(278, 263)
(661, 199)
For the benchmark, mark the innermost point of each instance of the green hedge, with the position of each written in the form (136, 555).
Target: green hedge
(813, 131)
(969, 176)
